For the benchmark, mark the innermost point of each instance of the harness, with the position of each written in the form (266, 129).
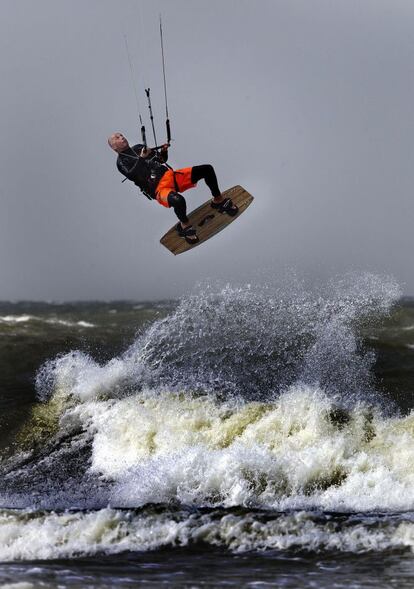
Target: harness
(136, 157)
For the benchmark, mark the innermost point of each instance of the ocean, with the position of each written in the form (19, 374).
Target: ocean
(247, 435)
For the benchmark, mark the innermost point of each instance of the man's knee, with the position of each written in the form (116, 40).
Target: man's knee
(175, 199)
(200, 172)
(207, 169)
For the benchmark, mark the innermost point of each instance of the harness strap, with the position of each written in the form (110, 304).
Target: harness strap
(149, 197)
(137, 157)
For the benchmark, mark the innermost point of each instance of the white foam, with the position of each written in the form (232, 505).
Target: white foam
(49, 321)
(35, 536)
(17, 318)
(70, 323)
(291, 453)
(23, 585)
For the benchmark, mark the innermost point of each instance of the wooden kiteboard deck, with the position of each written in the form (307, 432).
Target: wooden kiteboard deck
(207, 221)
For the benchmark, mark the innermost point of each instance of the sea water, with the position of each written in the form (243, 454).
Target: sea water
(250, 435)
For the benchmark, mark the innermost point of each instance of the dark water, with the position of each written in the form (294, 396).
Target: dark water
(242, 437)
(32, 333)
(198, 567)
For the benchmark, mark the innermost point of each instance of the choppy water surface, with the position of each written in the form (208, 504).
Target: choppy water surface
(249, 435)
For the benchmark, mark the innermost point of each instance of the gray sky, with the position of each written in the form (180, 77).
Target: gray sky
(306, 103)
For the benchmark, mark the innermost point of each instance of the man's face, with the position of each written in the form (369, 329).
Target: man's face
(118, 142)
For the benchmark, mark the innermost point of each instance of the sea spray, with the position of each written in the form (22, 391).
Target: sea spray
(250, 341)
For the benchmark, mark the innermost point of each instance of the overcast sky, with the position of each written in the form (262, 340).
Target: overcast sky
(308, 104)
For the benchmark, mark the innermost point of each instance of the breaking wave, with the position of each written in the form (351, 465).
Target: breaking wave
(42, 536)
(252, 397)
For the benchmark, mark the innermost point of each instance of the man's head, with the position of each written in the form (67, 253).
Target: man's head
(118, 142)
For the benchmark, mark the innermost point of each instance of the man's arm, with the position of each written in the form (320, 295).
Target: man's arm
(164, 152)
(149, 152)
(138, 148)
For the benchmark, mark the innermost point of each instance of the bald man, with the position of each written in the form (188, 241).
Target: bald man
(148, 169)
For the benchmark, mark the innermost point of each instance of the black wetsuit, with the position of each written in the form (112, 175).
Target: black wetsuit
(144, 172)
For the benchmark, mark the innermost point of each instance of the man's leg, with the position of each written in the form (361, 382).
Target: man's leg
(207, 173)
(177, 202)
(168, 196)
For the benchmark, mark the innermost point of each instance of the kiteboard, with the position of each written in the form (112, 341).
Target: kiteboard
(207, 221)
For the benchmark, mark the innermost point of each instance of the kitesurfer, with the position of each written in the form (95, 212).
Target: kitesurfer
(148, 169)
